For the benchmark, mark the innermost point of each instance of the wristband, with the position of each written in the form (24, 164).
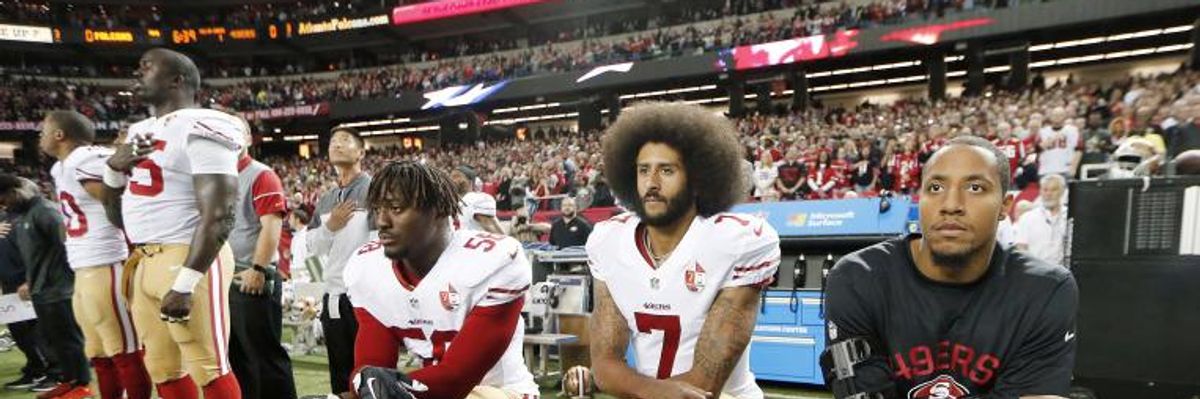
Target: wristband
(114, 179)
(186, 281)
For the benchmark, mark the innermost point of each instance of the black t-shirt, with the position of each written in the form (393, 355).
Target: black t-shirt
(864, 174)
(569, 234)
(790, 173)
(1009, 334)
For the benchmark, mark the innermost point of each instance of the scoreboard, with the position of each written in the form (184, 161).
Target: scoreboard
(266, 31)
(215, 34)
(203, 35)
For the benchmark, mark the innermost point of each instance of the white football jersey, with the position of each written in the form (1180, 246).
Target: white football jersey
(91, 239)
(474, 203)
(665, 307)
(1058, 147)
(159, 204)
(477, 269)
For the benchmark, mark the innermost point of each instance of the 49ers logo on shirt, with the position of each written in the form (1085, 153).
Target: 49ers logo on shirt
(942, 387)
(450, 300)
(694, 278)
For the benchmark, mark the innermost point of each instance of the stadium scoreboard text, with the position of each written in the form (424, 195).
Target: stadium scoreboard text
(157, 36)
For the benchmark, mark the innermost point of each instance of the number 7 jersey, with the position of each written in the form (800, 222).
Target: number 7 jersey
(665, 307)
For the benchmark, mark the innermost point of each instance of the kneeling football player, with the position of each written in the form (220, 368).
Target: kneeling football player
(452, 298)
(679, 278)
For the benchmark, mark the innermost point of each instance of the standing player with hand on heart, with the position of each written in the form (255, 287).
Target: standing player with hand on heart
(173, 184)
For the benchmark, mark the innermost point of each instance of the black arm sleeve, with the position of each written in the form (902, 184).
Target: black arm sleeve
(1043, 362)
(852, 310)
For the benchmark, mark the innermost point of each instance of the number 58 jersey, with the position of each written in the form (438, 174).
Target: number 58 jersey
(665, 307)
(477, 270)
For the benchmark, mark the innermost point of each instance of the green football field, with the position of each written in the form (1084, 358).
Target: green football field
(312, 378)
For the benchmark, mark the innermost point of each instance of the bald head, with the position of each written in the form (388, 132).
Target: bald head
(179, 65)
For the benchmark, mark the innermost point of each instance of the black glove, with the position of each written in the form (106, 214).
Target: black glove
(384, 383)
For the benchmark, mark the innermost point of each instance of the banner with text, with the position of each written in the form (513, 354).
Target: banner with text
(846, 217)
(451, 8)
(33, 126)
(287, 112)
(25, 33)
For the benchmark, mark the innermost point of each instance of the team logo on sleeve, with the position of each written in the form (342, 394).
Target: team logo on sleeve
(942, 387)
(694, 278)
(450, 300)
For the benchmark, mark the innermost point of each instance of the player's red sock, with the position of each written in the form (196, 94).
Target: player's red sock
(224, 387)
(180, 388)
(107, 378)
(133, 375)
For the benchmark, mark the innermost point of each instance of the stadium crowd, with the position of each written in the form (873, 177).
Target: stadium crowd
(819, 153)
(834, 152)
(467, 61)
(865, 149)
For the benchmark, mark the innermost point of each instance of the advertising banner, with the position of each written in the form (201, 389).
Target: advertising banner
(25, 33)
(790, 51)
(451, 8)
(846, 217)
(33, 126)
(287, 112)
(607, 77)
(339, 24)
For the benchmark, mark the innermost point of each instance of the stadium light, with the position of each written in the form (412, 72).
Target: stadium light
(376, 122)
(1110, 38)
(400, 130)
(960, 73)
(300, 138)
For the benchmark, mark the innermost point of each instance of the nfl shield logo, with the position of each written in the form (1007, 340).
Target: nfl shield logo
(942, 387)
(694, 278)
(449, 297)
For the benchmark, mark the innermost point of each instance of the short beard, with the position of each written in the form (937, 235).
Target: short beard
(676, 208)
(954, 261)
(951, 261)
